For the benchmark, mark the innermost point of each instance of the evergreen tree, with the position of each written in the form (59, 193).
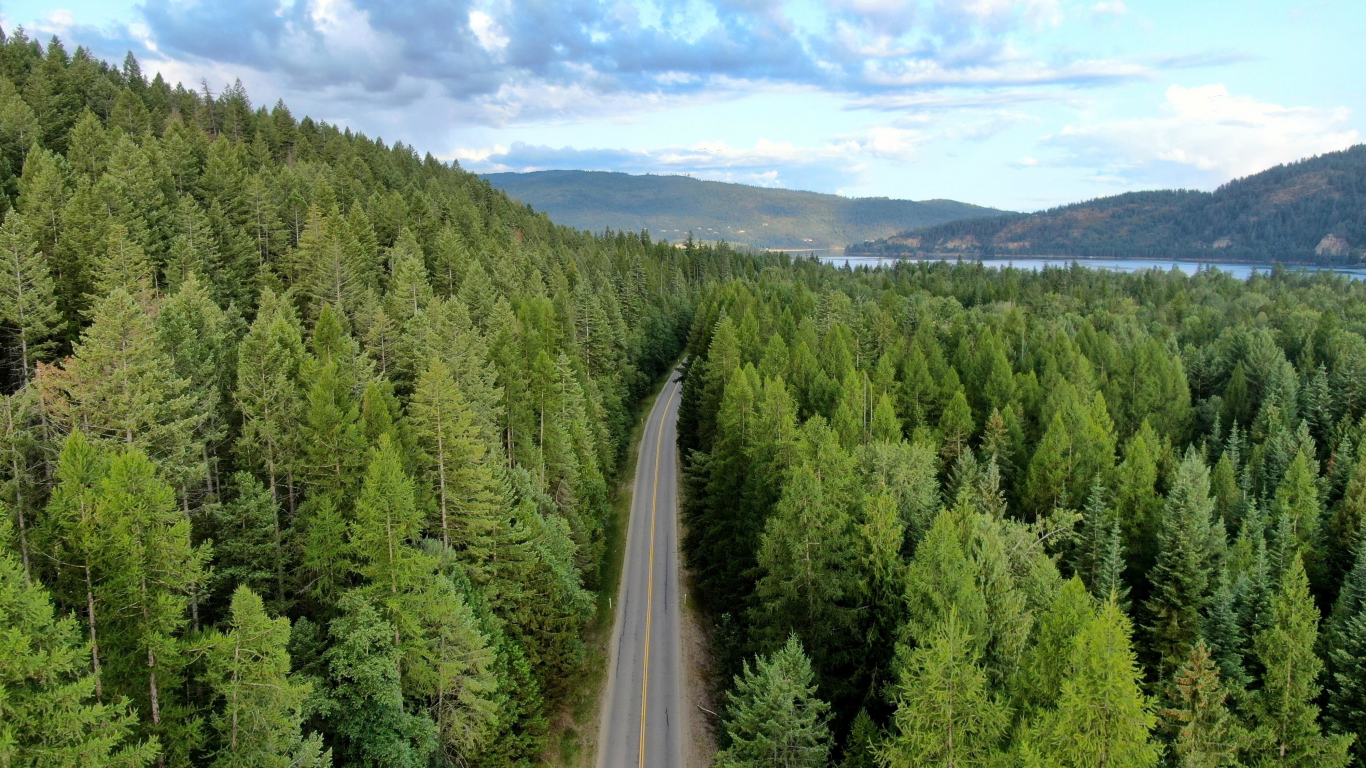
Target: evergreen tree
(1103, 718)
(1205, 734)
(773, 717)
(49, 712)
(262, 706)
(364, 706)
(28, 305)
(946, 715)
(1345, 642)
(1180, 580)
(1283, 713)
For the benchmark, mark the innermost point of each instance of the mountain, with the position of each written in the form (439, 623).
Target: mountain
(672, 206)
(1311, 211)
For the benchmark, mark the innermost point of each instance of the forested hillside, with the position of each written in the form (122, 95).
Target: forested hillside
(674, 206)
(307, 440)
(1309, 212)
(944, 516)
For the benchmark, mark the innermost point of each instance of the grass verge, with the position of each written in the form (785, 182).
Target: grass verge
(573, 741)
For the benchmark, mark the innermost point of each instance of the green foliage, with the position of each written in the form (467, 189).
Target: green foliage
(1175, 223)
(248, 668)
(773, 716)
(49, 712)
(946, 714)
(1283, 713)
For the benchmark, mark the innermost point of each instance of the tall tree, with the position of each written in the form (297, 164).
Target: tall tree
(49, 712)
(262, 706)
(1180, 580)
(1283, 713)
(28, 304)
(946, 714)
(773, 716)
(1103, 718)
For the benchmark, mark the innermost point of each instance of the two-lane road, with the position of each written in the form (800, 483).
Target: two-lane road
(643, 722)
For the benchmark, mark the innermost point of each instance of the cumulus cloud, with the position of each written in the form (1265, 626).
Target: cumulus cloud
(1204, 136)
(527, 59)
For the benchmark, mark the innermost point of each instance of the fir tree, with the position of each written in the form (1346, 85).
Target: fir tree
(50, 714)
(1205, 734)
(1283, 713)
(262, 707)
(773, 716)
(1103, 718)
(946, 714)
(28, 305)
(1180, 580)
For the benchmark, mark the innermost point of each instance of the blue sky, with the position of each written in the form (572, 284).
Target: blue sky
(1020, 104)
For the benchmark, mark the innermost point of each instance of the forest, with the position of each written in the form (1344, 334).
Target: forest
(945, 515)
(1309, 212)
(759, 217)
(307, 440)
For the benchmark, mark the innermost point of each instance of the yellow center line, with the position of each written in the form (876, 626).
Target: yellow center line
(650, 590)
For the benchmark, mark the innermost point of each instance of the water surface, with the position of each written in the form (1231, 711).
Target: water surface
(1240, 270)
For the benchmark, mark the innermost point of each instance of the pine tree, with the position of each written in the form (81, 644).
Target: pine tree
(1180, 580)
(364, 708)
(467, 494)
(262, 706)
(121, 387)
(773, 716)
(28, 305)
(50, 714)
(1103, 718)
(955, 426)
(946, 714)
(1297, 500)
(1283, 714)
(1206, 735)
(150, 570)
(860, 749)
(1344, 640)
(386, 527)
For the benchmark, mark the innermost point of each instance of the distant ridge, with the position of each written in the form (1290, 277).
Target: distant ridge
(671, 206)
(1309, 212)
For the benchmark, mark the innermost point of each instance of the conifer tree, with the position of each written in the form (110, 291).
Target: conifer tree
(50, 714)
(364, 708)
(150, 571)
(773, 716)
(1345, 642)
(121, 387)
(261, 705)
(28, 305)
(1180, 580)
(1103, 718)
(467, 495)
(1283, 714)
(386, 527)
(955, 426)
(1205, 733)
(946, 714)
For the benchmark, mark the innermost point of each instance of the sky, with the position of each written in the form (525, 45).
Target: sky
(1016, 104)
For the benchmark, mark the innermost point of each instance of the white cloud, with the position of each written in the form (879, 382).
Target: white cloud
(1205, 136)
(487, 31)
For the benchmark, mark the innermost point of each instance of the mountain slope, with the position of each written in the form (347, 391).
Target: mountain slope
(1312, 211)
(671, 206)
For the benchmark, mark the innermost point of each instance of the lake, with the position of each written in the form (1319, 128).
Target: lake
(1240, 270)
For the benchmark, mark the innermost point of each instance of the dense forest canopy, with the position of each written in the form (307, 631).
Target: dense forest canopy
(307, 440)
(944, 515)
(1309, 212)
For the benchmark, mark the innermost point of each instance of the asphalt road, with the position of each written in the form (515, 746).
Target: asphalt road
(643, 722)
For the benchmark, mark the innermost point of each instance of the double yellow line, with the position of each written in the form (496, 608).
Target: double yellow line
(650, 590)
